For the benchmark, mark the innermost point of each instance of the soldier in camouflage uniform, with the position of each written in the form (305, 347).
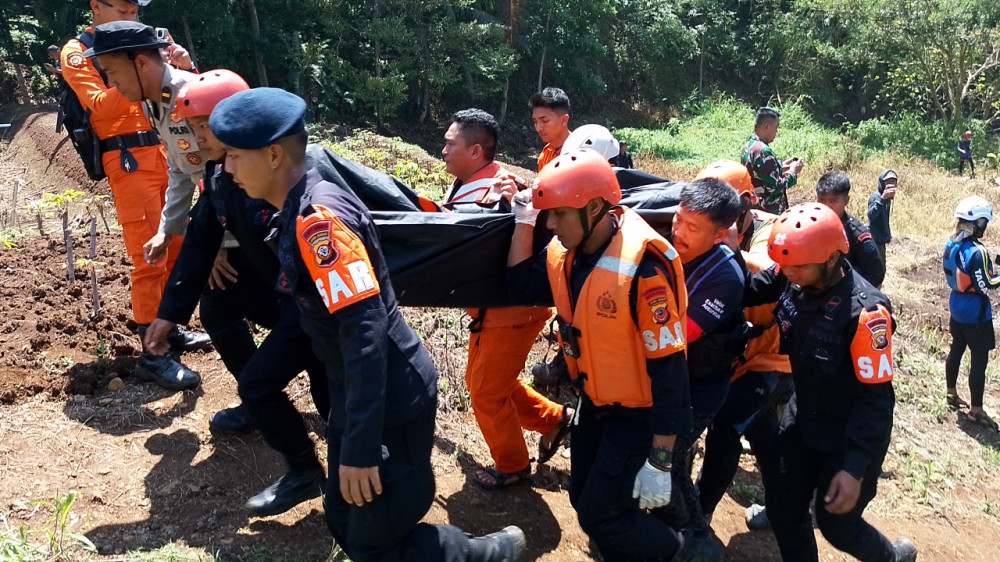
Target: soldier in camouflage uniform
(771, 178)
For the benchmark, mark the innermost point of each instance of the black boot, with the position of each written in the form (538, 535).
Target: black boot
(186, 340)
(505, 545)
(289, 491)
(232, 420)
(698, 549)
(905, 550)
(166, 372)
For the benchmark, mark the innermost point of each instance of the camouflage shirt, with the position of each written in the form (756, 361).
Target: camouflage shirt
(768, 180)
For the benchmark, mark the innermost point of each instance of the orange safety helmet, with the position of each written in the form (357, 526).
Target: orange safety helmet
(805, 234)
(573, 179)
(733, 173)
(200, 96)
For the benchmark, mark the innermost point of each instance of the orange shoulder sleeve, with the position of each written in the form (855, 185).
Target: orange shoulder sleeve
(336, 258)
(871, 349)
(660, 323)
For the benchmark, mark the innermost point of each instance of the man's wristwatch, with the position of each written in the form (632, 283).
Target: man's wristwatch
(661, 458)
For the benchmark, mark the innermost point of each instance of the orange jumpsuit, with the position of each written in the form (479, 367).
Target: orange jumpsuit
(139, 194)
(498, 348)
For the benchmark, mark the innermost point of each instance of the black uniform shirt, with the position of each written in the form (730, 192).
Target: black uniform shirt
(863, 253)
(380, 375)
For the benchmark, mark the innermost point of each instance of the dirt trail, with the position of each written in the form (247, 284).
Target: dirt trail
(150, 473)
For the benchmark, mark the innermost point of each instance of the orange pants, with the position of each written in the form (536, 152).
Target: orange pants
(502, 403)
(139, 198)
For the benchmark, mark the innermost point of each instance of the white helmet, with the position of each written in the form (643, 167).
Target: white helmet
(594, 137)
(974, 208)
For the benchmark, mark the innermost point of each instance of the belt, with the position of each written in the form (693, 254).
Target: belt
(134, 140)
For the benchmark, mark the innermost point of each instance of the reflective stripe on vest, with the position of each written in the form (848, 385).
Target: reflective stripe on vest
(612, 360)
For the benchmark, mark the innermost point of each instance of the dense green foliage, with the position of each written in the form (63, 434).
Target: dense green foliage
(632, 61)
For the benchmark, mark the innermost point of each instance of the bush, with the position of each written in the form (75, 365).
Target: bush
(910, 136)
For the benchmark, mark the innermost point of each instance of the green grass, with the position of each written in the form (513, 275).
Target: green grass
(721, 127)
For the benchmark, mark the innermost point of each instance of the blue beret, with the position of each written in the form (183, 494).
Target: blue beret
(123, 37)
(257, 118)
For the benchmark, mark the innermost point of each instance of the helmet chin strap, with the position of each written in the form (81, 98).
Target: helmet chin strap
(588, 228)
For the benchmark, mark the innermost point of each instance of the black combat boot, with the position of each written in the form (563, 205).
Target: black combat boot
(506, 545)
(905, 550)
(166, 372)
(186, 340)
(289, 491)
(232, 420)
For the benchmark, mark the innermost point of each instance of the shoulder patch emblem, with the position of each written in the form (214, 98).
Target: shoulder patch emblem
(75, 60)
(878, 327)
(656, 298)
(174, 118)
(865, 236)
(317, 235)
(193, 159)
(183, 144)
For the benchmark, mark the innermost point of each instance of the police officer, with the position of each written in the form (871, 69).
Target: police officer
(243, 289)
(970, 274)
(834, 190)
(837, 331)
(618, 290)
(383, 386)
(134, 160)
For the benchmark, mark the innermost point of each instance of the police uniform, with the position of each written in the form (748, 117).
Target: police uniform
(626, 306)
(970, 274)
(382, 384)
(262, 372)
(186, 163)
(863, 253)
(839, 343)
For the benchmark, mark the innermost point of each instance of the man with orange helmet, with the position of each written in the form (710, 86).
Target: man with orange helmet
(837, 330)
(241, 278)
(135, 163)
(500, 338)
(621, 302)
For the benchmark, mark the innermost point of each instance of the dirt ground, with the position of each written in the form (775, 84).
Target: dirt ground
(151, 474)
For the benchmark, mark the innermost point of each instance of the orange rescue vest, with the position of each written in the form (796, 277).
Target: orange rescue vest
(612, 359)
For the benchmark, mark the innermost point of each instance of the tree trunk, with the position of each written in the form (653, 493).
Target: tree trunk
(22, 85)
(503, 102)
(188, 39)
(376, 15)
(255, 28)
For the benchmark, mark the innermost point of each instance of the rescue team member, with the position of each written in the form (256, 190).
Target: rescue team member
(550, 115)
(716, 329)
(244, 290)
(760, 382)
(970, 274)
(619, 293)
(129, 54)
(771, 177)
(965, 154)
(837, 331)
(500, 338)
(834, 190)
(135, 162)
(879, 209)
(382, 384)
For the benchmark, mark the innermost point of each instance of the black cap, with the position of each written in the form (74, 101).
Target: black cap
(123, 37)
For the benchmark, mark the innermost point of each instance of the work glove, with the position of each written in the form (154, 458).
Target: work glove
(524, 211)
(652, 487)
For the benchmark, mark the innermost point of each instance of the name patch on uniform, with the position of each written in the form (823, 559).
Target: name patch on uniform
(183, 130)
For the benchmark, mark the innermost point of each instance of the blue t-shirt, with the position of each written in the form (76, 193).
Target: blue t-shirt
(970, 274)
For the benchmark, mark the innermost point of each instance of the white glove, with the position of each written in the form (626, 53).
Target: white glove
(652, 487)
(524, 211)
